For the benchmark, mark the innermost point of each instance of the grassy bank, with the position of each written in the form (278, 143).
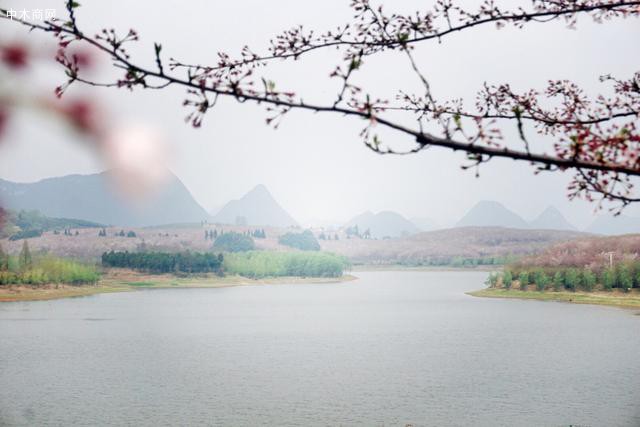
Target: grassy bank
(613, 298)
(117, 280)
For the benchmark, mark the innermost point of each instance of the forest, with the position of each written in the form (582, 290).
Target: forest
(163, 262)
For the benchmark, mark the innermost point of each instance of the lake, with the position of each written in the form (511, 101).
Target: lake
(392, 348)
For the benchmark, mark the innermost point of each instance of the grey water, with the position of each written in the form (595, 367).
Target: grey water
(389, 349)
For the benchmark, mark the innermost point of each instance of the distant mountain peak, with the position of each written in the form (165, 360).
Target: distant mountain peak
(490, 213)
(383, 224)
(551, 219)
(259, 189)
(256, 207)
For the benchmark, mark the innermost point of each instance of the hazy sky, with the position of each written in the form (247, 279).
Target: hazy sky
(315, 165)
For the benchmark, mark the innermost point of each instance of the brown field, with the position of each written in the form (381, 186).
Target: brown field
(87, 245)
(466, 242)
(592, 252)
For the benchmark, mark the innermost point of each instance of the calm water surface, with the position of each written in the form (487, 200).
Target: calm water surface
(392, 348)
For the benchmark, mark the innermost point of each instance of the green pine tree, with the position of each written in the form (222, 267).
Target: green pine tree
(24, 258)
(4, 260)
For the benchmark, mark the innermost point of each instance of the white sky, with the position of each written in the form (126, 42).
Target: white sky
(315, 165)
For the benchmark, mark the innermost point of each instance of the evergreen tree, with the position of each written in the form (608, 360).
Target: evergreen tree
(571, 279)
(625, 280)
(558, 281)
(588, 280)
(507, 279)
(4, 260)
(541, 280)
(608, 279)
(523, 278)
(492, 280)
(24, 258)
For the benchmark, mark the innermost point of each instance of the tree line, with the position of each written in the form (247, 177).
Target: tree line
(258, 233)
(624, 276)
(163, 262)
(327, 236)
(121, 233)
(260, 264)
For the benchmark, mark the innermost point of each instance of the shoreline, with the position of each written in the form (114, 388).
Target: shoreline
(401, 267)
(613, 299)
(128, 281)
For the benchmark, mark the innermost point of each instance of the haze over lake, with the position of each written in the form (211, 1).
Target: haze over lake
(391, 348)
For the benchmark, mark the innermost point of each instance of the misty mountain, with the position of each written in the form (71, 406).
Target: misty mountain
(91, 198)
(257, 207)
(384, 224)
(551, 219)
(615, 225)
(491, 214)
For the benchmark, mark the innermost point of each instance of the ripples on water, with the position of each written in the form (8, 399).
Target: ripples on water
(392, 348)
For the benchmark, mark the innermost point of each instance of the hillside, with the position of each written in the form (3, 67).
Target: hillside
(491, 214)
(384, 224)
(588, 251)
(91, 198)
(257, 207)
(12, 222)
(443, 246)
(436, 247)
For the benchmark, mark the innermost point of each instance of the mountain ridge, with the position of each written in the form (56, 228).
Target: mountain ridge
(91, 197)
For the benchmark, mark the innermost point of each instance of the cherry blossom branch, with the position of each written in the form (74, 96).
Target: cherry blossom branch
(596, 137)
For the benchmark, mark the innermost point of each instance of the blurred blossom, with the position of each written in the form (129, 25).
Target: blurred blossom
(83, 115)
(137, 155)
(14, 55)
(4, 119)
(83, 57)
